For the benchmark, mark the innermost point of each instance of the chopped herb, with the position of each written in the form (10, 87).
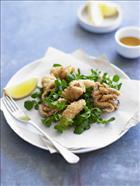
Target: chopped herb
(29, 104)
(57, 65)
(63, 124)
(36, 106)
(95, 75)
(37, 93)
(60, 85)
(113, 83)
(70, 77)
(119, 86)
(116, 78)
(103, 121)
(56, 117)
(55, 104)
(48, 121)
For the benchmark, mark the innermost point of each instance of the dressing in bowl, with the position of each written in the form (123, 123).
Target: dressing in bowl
(128, 42)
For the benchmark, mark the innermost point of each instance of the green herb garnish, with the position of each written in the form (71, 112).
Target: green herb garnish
(29, 104)
(55, 104)
(116, 78)
(48, 121)
(37, 93)
(111, 82)
(57, 65)
(63, 124)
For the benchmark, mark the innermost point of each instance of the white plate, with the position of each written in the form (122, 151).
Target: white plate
(31, 136)
(109, 24)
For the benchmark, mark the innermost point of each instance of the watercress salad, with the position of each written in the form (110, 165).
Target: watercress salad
(89, 115)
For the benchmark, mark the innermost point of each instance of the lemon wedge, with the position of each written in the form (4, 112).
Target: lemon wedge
(94, 13)
(22, 90)
(108, 10)
(98, 11)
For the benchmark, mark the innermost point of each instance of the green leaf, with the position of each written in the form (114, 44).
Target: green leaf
(58, 105)
(119, 86)
(56, 117)
(29, 104)
(47, 121)
(60, 85)
(116, 78)
(105, 121)
(111, 82)
(81, 128)
(71, 77)
(79, 72)
(78, 130)
(57, 65)
(55, 104)
(95, 75)
(36, 106)
(53, 95)
(37, 93)
(63, 124)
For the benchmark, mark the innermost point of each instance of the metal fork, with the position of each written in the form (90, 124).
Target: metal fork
(18, 114)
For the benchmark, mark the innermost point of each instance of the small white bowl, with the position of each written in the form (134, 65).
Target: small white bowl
(109, 24)
(125, 50)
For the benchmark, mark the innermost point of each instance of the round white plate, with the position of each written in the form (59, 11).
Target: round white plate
(108, 25)
(28, 134)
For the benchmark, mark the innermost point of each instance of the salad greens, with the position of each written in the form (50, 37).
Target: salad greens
(48, 121)
(34, 103)
(89, 115)
(111, 82)
(55, 104)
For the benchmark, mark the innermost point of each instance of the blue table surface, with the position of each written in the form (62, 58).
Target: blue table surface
(28, 29)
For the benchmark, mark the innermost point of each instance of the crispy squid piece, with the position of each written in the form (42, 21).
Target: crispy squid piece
(69, 114)
(84, 83)
(109, 97)
(88, 83)
(62, 72)
(48, 84)
(77, 88)
(108, 90)
(105, 98)
(74, 91)
(73, 109)
(106, 106)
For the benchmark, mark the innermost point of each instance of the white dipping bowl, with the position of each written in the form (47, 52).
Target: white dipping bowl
(126, 50)
(108, 25)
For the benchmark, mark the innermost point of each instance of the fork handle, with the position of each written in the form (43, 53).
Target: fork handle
(69, 156)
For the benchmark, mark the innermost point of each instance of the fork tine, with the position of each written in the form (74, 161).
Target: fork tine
(7, 105)
(10, 104)
(13, 102)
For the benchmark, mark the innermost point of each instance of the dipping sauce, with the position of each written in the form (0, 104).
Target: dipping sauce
(130, 41)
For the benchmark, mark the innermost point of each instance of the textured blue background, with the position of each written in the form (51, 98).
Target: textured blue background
(28, 28)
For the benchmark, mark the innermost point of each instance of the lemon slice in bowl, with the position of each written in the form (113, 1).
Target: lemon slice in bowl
(108, 10)
(94, 13)
(21, 90)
